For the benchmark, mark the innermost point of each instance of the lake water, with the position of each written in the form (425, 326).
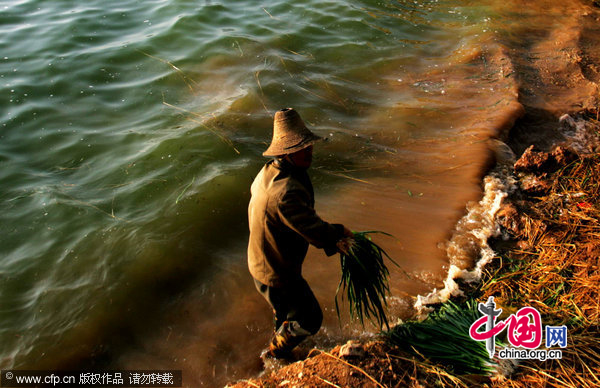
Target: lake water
(132, 130)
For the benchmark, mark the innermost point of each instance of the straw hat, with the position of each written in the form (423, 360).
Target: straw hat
(289, 134)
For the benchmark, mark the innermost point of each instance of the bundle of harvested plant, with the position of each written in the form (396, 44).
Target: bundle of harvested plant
(444, 338)
(365, 279)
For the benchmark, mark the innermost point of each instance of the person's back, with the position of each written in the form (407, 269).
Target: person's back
(275, 250)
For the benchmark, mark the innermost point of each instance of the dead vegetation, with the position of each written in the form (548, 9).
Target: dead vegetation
(554, 267)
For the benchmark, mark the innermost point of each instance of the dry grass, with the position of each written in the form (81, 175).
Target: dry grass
(552, 265)
(556, 270)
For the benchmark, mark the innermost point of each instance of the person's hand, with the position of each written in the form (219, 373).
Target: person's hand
(343, 245)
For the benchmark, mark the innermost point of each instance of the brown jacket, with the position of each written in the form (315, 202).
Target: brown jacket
(283, 222)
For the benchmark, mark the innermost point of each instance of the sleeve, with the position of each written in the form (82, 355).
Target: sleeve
(296, 213)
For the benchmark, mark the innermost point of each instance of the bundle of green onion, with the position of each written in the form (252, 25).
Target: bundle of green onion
(365, 280)
(444, 338)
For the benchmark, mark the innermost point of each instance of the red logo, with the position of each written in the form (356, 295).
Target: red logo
(524, 327)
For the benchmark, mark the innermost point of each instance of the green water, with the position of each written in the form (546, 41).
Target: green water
(131, 132)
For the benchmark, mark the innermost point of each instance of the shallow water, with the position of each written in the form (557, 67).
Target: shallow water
(131, 133)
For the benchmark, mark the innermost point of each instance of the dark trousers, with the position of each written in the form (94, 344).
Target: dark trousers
(296, 304)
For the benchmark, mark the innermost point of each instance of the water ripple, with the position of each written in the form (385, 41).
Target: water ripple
(131, 131)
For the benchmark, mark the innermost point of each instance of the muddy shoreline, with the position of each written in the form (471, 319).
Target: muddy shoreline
(560, 97)
(538, 259)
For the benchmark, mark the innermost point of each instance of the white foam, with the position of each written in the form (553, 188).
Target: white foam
(470, 240)
(581, 134)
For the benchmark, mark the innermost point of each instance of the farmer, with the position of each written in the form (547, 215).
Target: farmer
(282, 223)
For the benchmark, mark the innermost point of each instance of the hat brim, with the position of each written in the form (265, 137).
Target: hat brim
(278, 149)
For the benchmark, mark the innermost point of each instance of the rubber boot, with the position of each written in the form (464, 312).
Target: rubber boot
(284, 342)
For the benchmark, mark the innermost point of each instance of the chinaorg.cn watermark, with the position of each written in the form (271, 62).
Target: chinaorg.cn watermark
(524, 333)
(526, 354)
